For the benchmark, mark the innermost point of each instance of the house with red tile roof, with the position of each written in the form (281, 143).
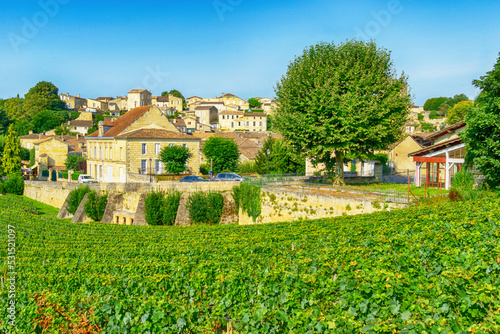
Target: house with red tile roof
(124, 149)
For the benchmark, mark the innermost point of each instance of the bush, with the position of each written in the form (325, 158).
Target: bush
(205, 208)
(95, 205)
(462, 186)
(75, 198)
(161, 207)
(2, 190)
(248, 197)
(247, 167)
(14, 184)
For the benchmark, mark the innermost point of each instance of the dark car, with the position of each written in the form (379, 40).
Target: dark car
(227, 177)
(192, 178)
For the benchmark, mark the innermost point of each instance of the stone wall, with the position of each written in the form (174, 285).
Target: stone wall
(285, 206)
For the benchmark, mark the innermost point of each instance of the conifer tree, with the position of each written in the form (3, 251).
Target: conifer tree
(11, 160)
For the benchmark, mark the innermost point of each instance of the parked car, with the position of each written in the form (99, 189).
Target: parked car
(227, 177)
(193, 178)
(85, 178)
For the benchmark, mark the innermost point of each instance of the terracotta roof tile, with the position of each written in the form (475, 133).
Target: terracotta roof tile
(155, 134)
(81, 123)
(138, 90)
(122, 122)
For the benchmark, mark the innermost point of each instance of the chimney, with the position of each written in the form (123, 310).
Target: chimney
(78, 95)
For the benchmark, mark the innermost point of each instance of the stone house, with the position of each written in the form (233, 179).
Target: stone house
(138, 98)
(241, 121)
(72, 102)
(130, 145)
(168, 102)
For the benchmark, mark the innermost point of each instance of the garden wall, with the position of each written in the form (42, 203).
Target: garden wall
(286, 205)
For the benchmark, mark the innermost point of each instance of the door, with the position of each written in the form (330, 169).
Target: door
(109, 174)
(122, 176)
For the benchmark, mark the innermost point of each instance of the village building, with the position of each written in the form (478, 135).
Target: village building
(122, 150)
(72, 102)
(435, 165)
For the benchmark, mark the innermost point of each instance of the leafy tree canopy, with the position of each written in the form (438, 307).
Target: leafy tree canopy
(282, 158)
(47, 120)
(43, 96)
(482, 132)
(223, 151)
(444, 104)
(14, 109)
(434, 103)
(175, 158)
(338, 99)
(4, 121)
(458, 112)
(254, 102)
(174, 92)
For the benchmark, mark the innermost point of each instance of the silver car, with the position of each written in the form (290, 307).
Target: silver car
(227, 177)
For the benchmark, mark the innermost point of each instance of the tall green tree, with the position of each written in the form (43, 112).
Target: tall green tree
(482, 130)
(14, 109)
(339, 99)
(434, 103)
(11, 159)
(47, 120)
(254, 102)
(458, 112)
(43, 96)
(4, 121)
(175, 158)
(223, 151)
(282, 158)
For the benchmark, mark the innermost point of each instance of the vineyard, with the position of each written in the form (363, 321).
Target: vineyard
(415, 270)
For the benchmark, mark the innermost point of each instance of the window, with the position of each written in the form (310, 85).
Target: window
(260, 123)
(253, 123)
(144, 166)
(100, 152)
(184, 145)
(144, 149)
(28, 145)
(158, 167)
(157, 148)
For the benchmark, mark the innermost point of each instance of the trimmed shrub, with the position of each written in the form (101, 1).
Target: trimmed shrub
(75, 198)
(248, 197)
(161, 207)
(95, 205)
(14, 184)
(205, 208)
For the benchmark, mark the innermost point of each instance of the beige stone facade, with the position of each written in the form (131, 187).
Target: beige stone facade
(240, 121)
(97, 105)
(132, 144)
(168, 102)
(138, 98)
(398, 156)
(72, 102)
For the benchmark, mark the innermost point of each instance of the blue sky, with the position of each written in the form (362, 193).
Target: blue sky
(209, 47)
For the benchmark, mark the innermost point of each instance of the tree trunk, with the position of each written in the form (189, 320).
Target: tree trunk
(339, 167)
